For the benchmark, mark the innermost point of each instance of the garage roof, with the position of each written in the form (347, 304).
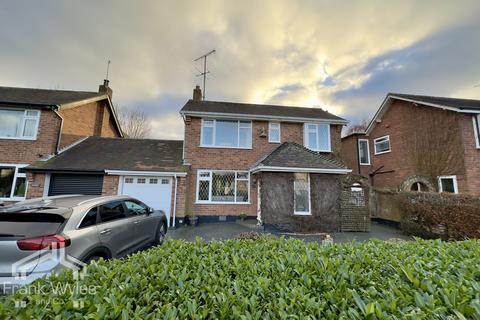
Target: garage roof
(293, 157)
(96, 154)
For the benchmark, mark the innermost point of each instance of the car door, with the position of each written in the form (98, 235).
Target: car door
(116, 229)
(145, 223)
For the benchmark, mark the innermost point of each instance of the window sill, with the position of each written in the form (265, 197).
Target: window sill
(18, 138)
(318, 150)
(225, 203)
(216, 147)
(383, 152)
(277, 142)
(302, 214)
(365, 164)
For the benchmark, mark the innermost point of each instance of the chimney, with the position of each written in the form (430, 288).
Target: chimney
(104, 88)
(197, 94)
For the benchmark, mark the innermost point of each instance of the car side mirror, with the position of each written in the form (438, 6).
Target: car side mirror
(150, 210)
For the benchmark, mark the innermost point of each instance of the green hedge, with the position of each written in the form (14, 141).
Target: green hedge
(271, 279)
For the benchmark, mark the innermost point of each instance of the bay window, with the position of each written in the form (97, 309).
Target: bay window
(301, 194)
(317, 136)
(226, 134)
(13, 184)
(223, 186)
(19, 124)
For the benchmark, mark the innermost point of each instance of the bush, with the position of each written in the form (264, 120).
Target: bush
(441, 215)
(271, 279)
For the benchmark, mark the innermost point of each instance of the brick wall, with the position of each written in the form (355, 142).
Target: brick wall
(36, 184)
(472, 155)
(235, 159)
(349, 154)
(92, 119)
(110, 185)
(181, 192)
(355, 207)
(28, 151)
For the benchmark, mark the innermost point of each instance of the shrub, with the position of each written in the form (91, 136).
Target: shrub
(271, 279)
(434, 215)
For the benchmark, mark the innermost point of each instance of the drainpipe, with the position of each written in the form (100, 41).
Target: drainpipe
(175, 202)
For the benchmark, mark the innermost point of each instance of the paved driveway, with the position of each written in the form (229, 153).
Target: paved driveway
(228, 230)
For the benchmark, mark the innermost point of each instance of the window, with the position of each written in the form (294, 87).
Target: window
(154, 181)
(13, 184)
(476, 129)
(165, 181)
(90, 218)
(19, 124)
(419, 187)
(357, 196)
(363, 152)
(317, 136)
(128, 180)
(274, 132)
(301, 198)
(136, 208)
(382, 145)
(223, 186)
(448, 184)
(226, 134)
(141, 180)
(112, 211)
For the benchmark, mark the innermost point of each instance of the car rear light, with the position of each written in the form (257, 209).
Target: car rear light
(45, 242)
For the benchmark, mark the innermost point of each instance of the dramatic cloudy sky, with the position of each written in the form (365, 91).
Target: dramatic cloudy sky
(343, 56)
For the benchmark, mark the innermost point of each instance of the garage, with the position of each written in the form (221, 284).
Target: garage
(88, 184)
(154, 191)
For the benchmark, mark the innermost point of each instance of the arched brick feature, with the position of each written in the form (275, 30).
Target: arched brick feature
(355, 204)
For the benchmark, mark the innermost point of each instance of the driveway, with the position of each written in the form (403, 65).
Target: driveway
(229, 230)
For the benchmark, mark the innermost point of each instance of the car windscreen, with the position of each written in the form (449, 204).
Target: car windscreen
(28, 224)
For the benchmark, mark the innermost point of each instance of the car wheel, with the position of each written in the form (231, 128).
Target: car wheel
(92, 258)
(162, 231)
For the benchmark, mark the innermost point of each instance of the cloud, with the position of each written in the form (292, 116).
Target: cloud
(341, 55)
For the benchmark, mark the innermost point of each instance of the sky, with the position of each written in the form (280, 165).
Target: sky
(342, 56)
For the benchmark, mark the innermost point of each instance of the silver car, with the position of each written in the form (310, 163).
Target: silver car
(85, 228)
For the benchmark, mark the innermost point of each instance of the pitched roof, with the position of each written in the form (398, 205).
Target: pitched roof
(248, 110)
(96, 154)
(453, 104)
(291, 156)
(43, 97)
(461, 104)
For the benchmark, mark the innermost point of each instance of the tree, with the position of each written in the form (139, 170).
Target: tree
(134, 123)
(357, 127)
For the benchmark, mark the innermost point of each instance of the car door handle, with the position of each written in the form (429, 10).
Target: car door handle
(105, 231)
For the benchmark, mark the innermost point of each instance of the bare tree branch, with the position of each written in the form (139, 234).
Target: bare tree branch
(134, 122)
(357, 127)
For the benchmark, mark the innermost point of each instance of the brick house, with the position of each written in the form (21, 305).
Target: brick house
(275, 163)
(36, 124)
(419, 143)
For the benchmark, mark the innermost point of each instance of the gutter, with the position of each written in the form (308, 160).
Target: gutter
(296, 169)
(57, 147)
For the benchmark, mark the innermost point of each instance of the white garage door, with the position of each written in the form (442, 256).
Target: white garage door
(156, 192)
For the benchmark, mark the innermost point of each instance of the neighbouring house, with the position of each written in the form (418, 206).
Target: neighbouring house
(276, 163)
(419, 143)
(36, 124)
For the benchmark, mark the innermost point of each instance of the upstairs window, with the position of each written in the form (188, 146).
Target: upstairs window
(382, 145)
(226, 134)
(317, 136)
(476, 129)
(19, 124)
(363, 152)
(274, 132)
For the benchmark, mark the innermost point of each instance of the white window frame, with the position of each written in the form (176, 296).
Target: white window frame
(476, 129)
(455, 185)
(24, 119)
(303, 213)
(209, 179)
(14, 183)
(368, 152)
(306, 141)
(380, 138)
(270, 124)
(213, 145)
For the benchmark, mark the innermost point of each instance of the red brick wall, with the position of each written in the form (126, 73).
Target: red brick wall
(28, 151)
(472, 155)
(401, 122)
(92, 119)
(235, 159)
(110, 185)
(181, 192)
(36, 184)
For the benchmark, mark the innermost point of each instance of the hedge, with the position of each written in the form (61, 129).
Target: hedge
(441, 215)
(271, 279)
